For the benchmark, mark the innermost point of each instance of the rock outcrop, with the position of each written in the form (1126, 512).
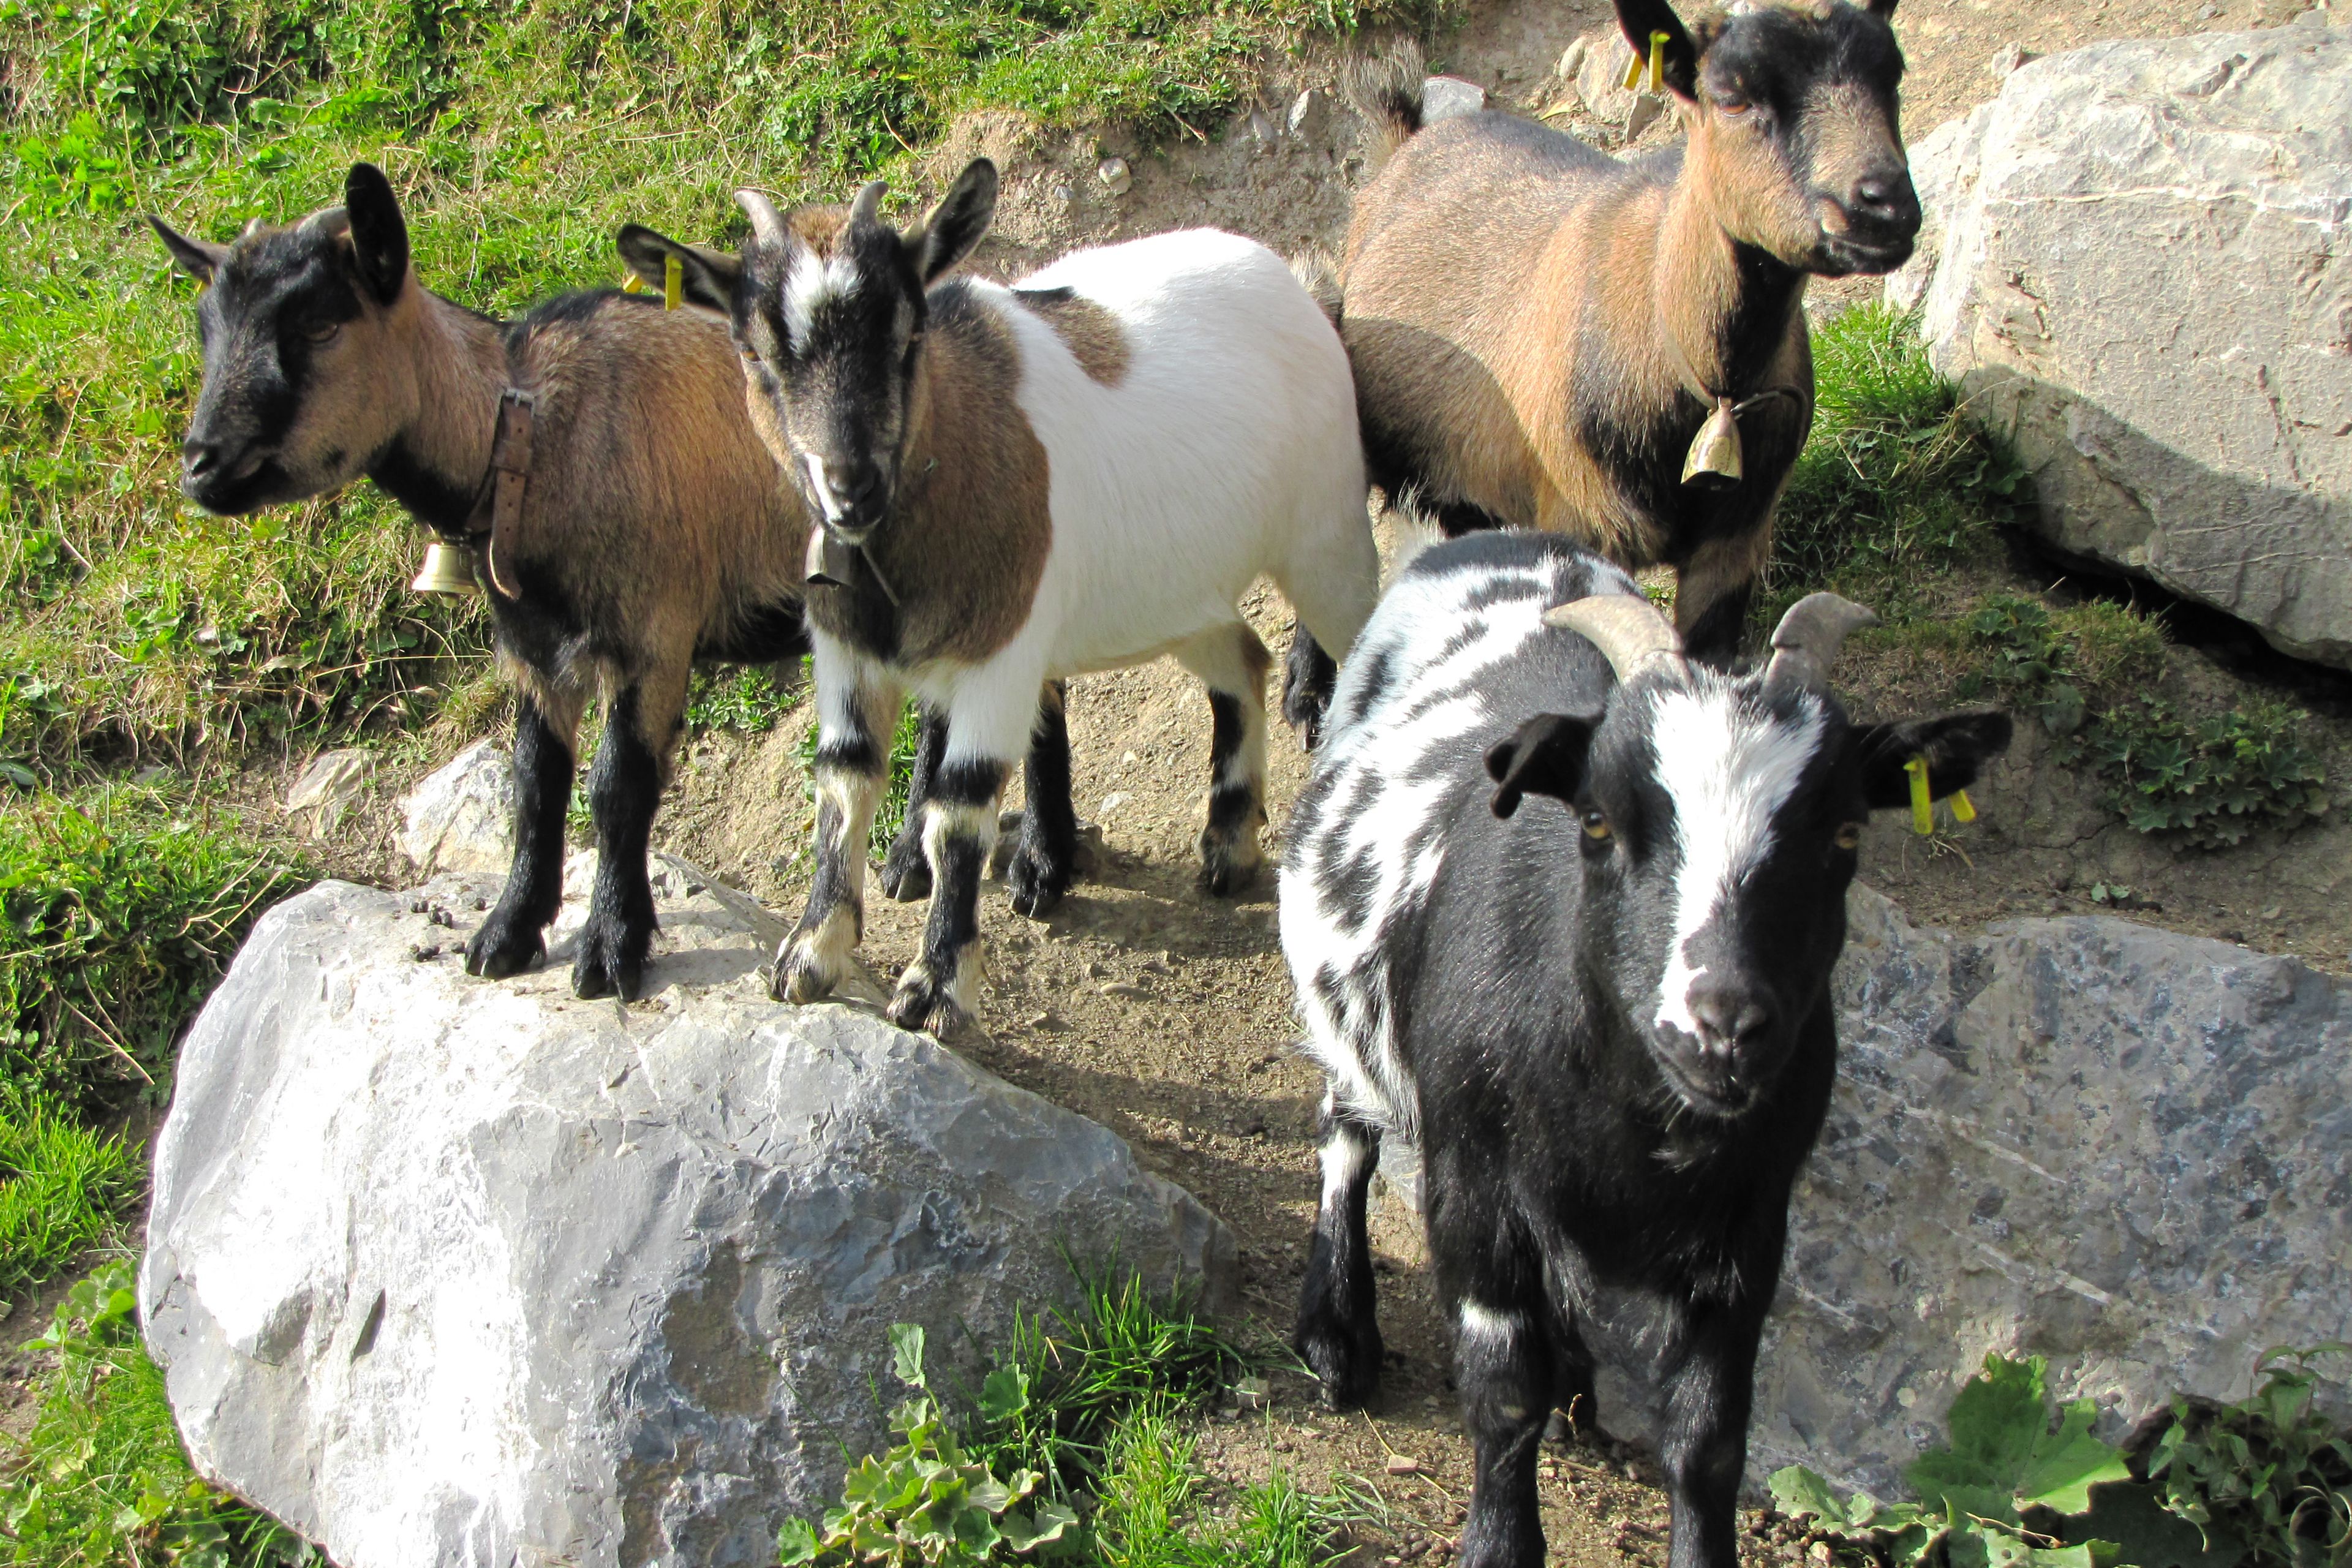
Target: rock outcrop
(2143, 277)
(2121, 1148)
(460, 817)
(448, 1271)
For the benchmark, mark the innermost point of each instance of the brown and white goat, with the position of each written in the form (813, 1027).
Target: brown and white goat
(1082, 471)
(1539, 330)
(652, 531)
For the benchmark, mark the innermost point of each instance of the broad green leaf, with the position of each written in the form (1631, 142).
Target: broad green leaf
(1801, 1493)
(991, 1495)
(1003, 1395)
(2067, 1464)
(797, 1542)
(906, 1353)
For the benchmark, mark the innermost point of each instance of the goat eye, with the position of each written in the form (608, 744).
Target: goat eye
(1597, 828)
(748, 351)
(1731, 105)
(322, 331)
(1849, 835)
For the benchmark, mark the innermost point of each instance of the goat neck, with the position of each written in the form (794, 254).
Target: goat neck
(436, 464)
(1725, 309)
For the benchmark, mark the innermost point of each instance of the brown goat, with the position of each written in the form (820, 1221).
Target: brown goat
(1539, 331)
(653, 529)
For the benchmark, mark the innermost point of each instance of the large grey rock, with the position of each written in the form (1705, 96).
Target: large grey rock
(2121, 1148)
(2145, 279)
(452, 1272)
(2124, 1148)
(460, 817)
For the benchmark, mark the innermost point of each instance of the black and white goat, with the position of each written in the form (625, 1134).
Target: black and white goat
(1607, 1024)
(1079, 472)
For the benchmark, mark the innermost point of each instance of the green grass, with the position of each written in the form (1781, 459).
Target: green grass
(60, 1187)
(102, 1480)
(520, 138)
(1083, 1418)
(118, 911)
(1895, 482)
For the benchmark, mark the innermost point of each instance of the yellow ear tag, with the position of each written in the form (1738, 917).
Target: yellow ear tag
(1657, 64)
(1633, 72)
(1963, 809)
(1923, 815)
(632, 284)
(673, 282)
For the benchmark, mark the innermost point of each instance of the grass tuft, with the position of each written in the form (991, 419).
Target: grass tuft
(118, 911)
(61, 1184)
(101, 1479)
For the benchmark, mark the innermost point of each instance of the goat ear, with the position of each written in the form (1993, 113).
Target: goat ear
(706, 278)
(199, 259)
(1544, 757)
(379, 234)
(955, 225)
(1957, 746)
(1640, 18)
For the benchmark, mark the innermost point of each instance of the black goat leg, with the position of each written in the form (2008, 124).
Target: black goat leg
(514, 936)
(1338, 1333)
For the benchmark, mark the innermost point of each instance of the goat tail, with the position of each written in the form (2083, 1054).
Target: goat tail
(1317, 271)
(1385, 89)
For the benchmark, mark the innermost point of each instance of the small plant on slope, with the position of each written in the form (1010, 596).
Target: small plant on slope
(1998, 1498)
(101, 1479)
(925, 1501)
(60, 1186)
(2212, 781)
(2272, 1472)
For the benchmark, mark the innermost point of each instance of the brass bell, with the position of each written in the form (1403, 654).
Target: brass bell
(1714, 451)
(447, 574)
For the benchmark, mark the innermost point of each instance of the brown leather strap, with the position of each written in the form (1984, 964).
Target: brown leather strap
(497, 508)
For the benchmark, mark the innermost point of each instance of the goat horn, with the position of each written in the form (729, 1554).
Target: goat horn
(1626, 628)
(1806, 642)
(325, 221)
(767, 223)
(868, 207)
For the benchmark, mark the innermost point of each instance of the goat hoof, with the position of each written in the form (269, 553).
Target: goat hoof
(1223, 873)
(500, 951)
(905, 878)
(1345, 1361)
(799, 979)
(612, 963)
(1036, 884)
(922, 1005)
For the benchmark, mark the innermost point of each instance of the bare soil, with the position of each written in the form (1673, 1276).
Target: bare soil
(1166, 1014)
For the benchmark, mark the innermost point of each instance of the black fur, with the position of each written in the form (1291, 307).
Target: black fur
(924, 998)
(906, 873)
(1579, 1157)
(1047, 859)
(1233, 812)
(623, 788)
(514, 936)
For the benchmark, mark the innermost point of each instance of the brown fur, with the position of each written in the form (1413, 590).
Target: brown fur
(652, 499)
(1091, 334)
(1509, 292)
(968, 547)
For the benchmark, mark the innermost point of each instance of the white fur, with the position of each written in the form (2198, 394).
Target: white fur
(1727, 774)
(1227, 450)
(1433, 696)
(1344, 1157)
(810, 286)
(1484, 1322)
(820, 486)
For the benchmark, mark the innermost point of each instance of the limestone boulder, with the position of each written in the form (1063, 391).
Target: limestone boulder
(448, 1271)
(460, 817)
(2144, 278)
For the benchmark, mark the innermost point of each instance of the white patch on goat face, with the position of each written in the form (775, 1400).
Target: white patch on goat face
(810, 284)
(820, 487)
(1728, 772)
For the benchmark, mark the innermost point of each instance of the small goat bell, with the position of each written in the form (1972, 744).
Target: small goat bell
(827, 565)
(1715, 451)
(447, 574)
